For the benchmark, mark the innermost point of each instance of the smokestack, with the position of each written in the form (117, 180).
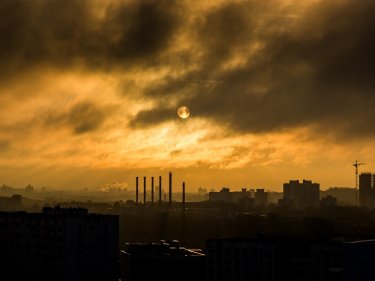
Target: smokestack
(136, 190)
(183, 196)
(152, 190)
(159, 190)
(144, 190)
(170, 188)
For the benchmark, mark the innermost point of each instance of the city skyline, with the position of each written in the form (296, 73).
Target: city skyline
(277, 90)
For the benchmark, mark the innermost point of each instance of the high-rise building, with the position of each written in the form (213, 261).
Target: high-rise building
(58, 244)
(301, 195)
(261, 197)
(366, 190)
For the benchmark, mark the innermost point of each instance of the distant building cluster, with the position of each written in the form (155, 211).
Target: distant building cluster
(257, 197)
(8, 190)
(296, 194)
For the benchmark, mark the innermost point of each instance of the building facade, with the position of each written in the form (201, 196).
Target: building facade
(58, 244)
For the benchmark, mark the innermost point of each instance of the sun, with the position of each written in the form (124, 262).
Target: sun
(183, 112)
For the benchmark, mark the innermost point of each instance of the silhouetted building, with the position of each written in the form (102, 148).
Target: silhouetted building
(359, 260)
(301, 195)
(225, 195)
(285, 202)
(366, 190)
(261, 198)
(274, 259)
(328, 201)
(165, 261)
(345, 195)
(273, 197)
(58, 244)
(290, 258)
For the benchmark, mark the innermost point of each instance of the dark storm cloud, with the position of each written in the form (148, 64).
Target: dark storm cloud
(311, 67)
(315, 68)
(157, 116)
(81, 118)
(65, 33)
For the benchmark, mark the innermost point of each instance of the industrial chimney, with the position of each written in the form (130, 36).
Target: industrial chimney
(136, 190)
(159, 190)
(183, 196)
(152, 190)
(144, 190)
(170, 188)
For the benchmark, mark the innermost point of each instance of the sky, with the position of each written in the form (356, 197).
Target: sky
(277, 90)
